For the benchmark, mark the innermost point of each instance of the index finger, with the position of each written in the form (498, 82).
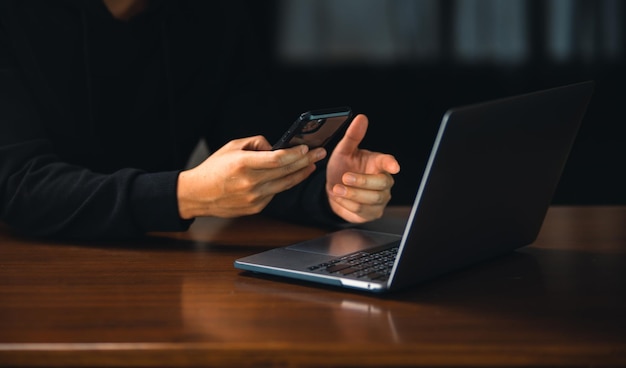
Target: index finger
(277, 158)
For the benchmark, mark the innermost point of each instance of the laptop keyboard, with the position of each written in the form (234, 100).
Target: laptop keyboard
(363, 265)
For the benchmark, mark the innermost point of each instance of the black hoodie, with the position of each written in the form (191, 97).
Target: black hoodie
(98, 116)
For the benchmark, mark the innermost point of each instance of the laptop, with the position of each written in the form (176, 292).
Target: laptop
(488, 183)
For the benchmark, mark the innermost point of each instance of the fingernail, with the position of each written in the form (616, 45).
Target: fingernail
(320, 154)
(339, 190)
(349, 179)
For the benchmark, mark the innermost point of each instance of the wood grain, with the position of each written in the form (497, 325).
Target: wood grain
(175, 300)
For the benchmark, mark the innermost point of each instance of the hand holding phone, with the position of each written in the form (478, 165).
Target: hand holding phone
(315, 128)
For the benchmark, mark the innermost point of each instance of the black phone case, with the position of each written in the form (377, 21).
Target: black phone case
(315, 128)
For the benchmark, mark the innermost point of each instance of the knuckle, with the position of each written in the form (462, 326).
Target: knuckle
(278, 160)
(358, 208)
(245, 184)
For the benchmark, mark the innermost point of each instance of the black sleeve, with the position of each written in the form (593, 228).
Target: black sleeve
(41, 195)
(306, 203)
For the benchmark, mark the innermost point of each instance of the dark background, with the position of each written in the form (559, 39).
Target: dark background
(406, 96)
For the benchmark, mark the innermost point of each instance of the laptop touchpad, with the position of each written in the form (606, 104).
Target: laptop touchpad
(343, 242)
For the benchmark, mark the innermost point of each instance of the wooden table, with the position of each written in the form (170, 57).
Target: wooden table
(176, 300)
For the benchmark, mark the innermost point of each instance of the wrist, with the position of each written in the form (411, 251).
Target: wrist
(186, 208)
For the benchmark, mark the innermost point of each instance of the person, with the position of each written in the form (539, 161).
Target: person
(102, 102)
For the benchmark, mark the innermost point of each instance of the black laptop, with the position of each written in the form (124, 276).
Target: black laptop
(489, 181)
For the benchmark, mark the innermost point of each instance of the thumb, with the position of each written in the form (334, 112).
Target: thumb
(353, 136)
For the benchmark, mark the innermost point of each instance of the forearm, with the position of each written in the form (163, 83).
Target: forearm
(42, 196)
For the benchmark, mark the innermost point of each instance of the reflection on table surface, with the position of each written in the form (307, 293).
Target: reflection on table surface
(176, 300)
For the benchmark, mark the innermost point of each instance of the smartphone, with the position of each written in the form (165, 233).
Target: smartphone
(315, 128)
